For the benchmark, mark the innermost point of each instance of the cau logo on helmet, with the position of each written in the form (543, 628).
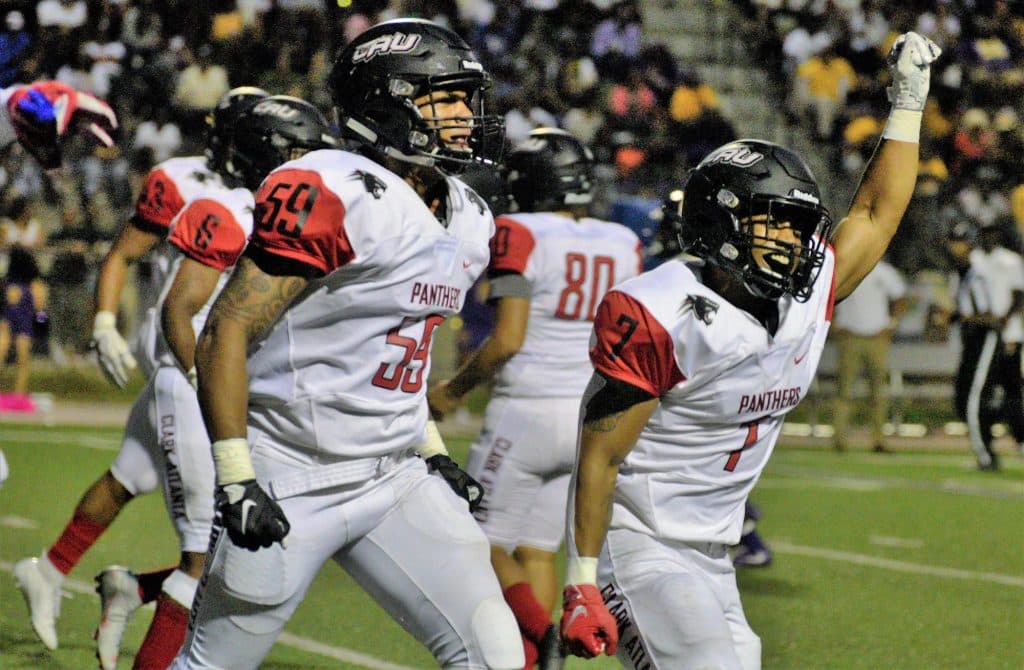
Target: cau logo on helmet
(385, 44)
(738, 156)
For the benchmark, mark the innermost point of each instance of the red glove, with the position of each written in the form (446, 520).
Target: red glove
(44, 112)
(588, 628)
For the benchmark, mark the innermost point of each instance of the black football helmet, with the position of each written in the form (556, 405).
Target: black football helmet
(745, 179)
(270, 132)
(550, 170)
(378, 76)
(220, 122)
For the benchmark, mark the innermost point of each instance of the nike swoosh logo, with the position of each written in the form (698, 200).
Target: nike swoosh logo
(798, 359)
(580, 610)
(466, 264)
(247, 506)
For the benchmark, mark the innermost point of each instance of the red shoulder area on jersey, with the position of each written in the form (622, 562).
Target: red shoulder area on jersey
(209, 233)
(511, 246)
(300, 218)
(159, 200)
(631, 346)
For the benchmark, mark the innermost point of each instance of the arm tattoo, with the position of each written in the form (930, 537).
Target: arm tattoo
(603, 424)
(254, 298)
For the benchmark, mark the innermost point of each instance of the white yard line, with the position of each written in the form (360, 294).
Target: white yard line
(287, 639)
(78, 439)
(897, 566)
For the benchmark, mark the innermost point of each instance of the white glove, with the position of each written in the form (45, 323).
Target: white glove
(909, 62)
(112, 352)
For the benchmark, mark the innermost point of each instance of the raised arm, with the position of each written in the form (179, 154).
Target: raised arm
(888, 182)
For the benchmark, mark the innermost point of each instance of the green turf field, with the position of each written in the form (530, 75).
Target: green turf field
(907, 560)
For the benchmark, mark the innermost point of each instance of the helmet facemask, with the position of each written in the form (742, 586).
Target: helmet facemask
(740, 240)
(399, 128)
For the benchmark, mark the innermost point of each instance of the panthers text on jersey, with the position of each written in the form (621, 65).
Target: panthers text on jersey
(168, 186)
(570, 265)
(343, 373)
(725, 385)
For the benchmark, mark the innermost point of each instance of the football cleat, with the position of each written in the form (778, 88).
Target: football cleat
(550, 650)
(752, 558)
(42, 597)
(119, 598)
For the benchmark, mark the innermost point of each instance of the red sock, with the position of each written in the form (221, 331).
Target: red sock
(80, 534)
(150, 583)
(533, 619)
(165, 635)
(532, 653)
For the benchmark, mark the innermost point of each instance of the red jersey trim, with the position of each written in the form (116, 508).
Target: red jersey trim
(208, 233)
(831, 305)
(511, 246)
(299, 218)
(630, 345)
(159, 201)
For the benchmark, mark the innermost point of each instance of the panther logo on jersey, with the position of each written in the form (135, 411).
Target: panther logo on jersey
(476, 200)
(703, 308)
(372, 183)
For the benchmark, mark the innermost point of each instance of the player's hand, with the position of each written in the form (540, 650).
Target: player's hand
(252, 518)
(43, 113)
(588, 628)
(441, 401)
(464, 486)
(112, 352)
(909, 63)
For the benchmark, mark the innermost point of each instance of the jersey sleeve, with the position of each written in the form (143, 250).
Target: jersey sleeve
(208, 232)
(158, 203)
(300, 222)
(631, 346)
(511, 247)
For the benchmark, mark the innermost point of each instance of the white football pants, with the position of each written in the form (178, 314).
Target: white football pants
(677, 605)
(165, 443)
(523, 458)
(405, 537)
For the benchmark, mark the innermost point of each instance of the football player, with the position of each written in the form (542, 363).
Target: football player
(210, 233)
(551, 265)
(45, 113)
(695, 369)
(138, 467)
(314, 360)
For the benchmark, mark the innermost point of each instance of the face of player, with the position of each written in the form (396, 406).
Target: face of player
(774, 244)
(448, 112)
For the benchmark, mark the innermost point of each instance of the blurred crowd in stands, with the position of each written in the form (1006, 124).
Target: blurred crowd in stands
(826, 59)
(585, 65)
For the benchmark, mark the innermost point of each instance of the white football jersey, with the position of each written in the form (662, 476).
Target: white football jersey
(570, 265)
(343, 374)
(725, 385)
(212, 229)
(167, 188)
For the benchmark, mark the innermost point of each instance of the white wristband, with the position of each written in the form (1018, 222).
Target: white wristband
(231, 460)
(104, 319)
(904, 125)
(434, 444)
(581, 570)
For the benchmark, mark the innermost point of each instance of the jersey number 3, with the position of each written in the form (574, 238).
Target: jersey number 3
(578, 292)
(406, 374)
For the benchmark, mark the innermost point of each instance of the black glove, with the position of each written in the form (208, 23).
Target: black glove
(464, 486)
(252, 518)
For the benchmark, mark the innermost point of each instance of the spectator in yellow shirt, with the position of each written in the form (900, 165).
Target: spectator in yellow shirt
(822, 84)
